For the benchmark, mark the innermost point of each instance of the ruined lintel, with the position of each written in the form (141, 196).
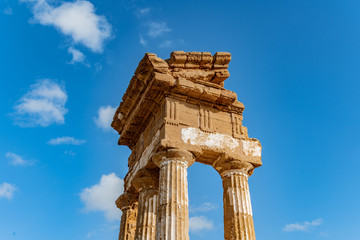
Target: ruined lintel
(175, 112)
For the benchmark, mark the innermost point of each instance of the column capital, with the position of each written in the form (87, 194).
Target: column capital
(146, 179)
(126, 200)
(226, 165)
(181, 155)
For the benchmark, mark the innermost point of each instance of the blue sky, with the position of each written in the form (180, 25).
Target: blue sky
(66, 64)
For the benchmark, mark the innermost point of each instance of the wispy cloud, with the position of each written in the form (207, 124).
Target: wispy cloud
(98, 67)
(70, 153)
(75, 19)
(102, 196)
(200, 223)
(8, 11)
(66, 140)
(204, 207)
(5, 7)
(324, 234)
(156, 29)
(302, 227)
(77, 56)
(143, 11)
(106, 228)
(17, 160)
(153, 31)
(105, 117)
(90, 234)
(42, 105)
(167, 44)
(142, 41)
(7, 190)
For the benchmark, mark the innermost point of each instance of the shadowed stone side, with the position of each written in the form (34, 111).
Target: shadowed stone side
(147, 184)
(127, 203)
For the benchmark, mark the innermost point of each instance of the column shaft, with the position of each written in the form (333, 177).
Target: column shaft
(146, 221)
(173, 213)
(238, 220)
(128, 223)
(173, 201)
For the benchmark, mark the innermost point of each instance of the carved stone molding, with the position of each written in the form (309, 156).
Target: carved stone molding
(180, 155)
(128, 203)
(126, 200)
(225, 164)
(146, 179)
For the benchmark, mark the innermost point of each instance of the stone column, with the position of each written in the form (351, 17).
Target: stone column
(238, 220)
(147, 183)
(128, 204)
(173, 212)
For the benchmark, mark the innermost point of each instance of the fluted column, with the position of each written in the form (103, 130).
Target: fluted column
(147, 183)
(128, 204)
(238, 219)
(173, 212)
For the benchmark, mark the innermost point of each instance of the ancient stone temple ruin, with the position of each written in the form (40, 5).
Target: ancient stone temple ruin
(176, 112)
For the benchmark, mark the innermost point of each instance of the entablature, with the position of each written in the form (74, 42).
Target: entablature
(194, 77)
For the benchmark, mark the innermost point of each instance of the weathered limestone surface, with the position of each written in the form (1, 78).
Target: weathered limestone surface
(175, 112)
(147, 183)
(173, 220)
(238, 220)
(128, 204)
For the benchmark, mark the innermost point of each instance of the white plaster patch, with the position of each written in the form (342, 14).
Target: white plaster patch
(251, 148)
(195, 136)
(145, 156)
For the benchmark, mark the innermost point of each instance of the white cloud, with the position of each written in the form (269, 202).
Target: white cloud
(204, 207)
(105, 117)
(7, 190)
(66, 140)
(75, 19)
(102, 196)
(42, 105)
(17, 160)
(142, 41)
(157, 28)
(77, 56)
(200, 223)
(303, 227)
(167, 44)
